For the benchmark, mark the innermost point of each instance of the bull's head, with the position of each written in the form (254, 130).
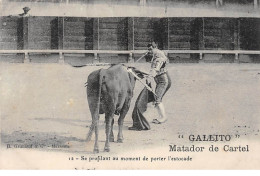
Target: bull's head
(137, 72)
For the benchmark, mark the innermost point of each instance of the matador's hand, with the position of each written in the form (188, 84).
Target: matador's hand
(152, 73)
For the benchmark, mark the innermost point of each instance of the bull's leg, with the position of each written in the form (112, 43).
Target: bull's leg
(111, 137)
(94, 126)
(96, 147)
(90, 132)
(109, 117)
(121, 121)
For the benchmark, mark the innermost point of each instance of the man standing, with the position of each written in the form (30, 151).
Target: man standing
(161, 77)
(25, 13)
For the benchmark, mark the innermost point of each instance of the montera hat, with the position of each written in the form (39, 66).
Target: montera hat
(26, 9)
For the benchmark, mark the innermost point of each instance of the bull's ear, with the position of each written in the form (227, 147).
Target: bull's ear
(139, 73)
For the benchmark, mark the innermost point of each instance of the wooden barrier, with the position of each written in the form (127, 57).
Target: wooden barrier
(129, 53)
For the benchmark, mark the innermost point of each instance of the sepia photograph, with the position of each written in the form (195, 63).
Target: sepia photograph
(129, 84)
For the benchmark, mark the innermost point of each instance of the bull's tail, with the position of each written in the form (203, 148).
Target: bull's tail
(94, 95)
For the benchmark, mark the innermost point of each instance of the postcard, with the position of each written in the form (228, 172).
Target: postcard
(129, 85)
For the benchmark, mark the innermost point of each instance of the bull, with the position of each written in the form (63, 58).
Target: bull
(109, 92)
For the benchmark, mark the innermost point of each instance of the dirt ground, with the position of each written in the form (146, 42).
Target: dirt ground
(46, 105)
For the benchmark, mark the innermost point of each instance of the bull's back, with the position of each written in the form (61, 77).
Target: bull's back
(117, 79)
(109, 85)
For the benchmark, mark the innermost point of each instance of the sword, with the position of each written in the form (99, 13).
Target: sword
(140, 80)
(141, 57)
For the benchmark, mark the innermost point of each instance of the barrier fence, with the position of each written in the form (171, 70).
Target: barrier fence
(130, 53)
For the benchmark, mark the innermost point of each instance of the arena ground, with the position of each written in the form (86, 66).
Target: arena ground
(46, 105)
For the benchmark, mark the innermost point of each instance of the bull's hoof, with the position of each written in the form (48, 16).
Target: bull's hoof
(120, 140)
(96, 151)
(106, 149)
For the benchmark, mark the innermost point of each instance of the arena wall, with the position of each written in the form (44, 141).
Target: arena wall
(81, 31)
